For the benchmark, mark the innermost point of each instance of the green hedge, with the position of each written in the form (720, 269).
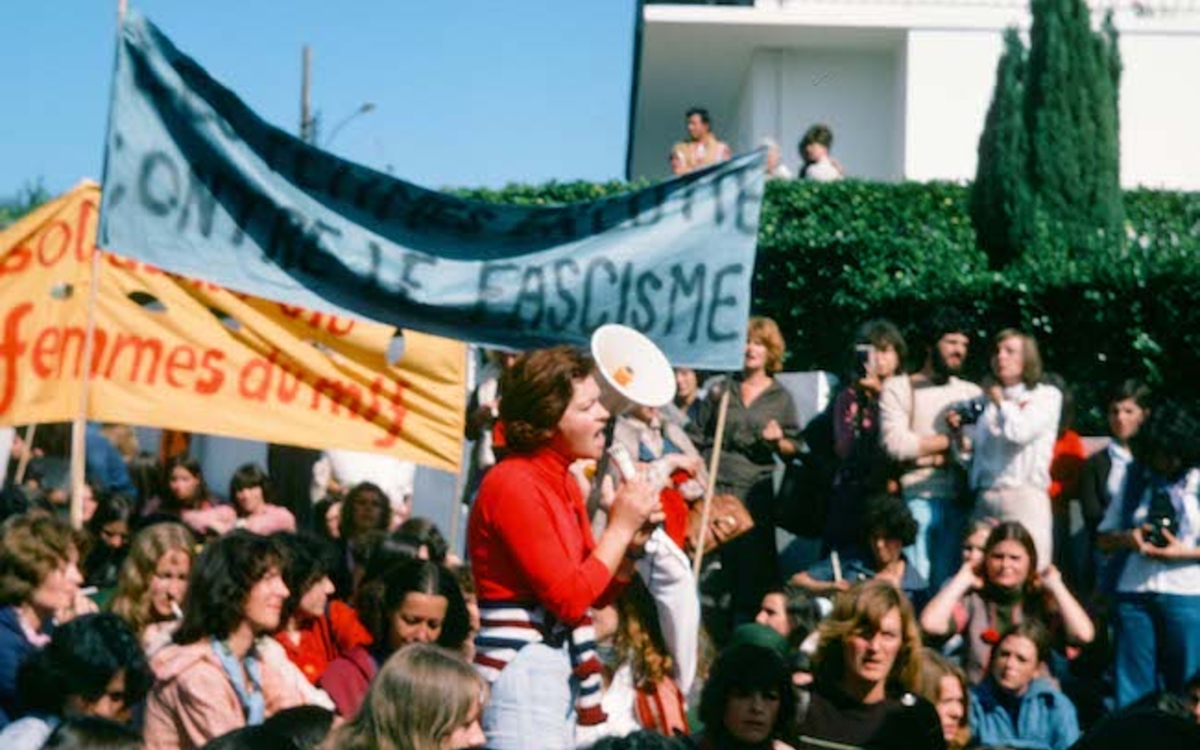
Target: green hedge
(852, 250)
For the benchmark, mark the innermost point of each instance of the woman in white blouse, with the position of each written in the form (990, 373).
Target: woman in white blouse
(1013, 440)
(1152, 532)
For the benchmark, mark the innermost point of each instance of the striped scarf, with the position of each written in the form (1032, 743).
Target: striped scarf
(507, 627)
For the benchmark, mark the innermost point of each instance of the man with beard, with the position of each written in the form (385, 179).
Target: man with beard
(914, 432)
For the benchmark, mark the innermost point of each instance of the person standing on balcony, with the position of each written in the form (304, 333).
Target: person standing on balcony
(819, 164)
(702, 148)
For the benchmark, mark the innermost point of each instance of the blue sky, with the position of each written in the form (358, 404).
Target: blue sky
(466, 92)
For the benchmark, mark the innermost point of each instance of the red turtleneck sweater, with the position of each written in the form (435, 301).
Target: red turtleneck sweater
(530, 540)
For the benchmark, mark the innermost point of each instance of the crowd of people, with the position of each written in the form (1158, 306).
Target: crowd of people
(980, 578)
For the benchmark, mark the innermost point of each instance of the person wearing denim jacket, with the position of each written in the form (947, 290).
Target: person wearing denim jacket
(1013, 707)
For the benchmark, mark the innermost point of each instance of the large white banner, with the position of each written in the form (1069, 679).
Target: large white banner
(197, 184)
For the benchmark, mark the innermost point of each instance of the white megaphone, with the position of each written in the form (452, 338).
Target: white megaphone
(632, 370)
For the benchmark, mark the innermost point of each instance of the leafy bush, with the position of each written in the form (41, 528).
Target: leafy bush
(832, 255)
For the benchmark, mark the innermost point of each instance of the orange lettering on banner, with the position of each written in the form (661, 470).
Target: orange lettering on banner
(11, 349)
(56, 352)
(254, 381)
(171, 368)
(56, 242)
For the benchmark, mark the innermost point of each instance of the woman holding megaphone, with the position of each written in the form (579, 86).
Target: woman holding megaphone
(538, 569)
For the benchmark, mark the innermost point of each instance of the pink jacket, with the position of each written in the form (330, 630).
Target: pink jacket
(221, 519)
(270, 519)
(193, 701)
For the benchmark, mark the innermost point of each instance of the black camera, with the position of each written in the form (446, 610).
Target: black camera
(970, 411)
(1160, 519)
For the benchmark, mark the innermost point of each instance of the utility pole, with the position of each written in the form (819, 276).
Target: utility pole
(307, 129)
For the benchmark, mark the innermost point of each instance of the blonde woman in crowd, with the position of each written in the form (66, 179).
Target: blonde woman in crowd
(424, 698)
(944, 684)
(153, 582)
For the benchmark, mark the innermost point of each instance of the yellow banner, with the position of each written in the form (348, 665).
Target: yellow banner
(188, 355)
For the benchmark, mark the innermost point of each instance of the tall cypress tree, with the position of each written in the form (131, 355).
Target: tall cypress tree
(1071, 115)
(1000, 198)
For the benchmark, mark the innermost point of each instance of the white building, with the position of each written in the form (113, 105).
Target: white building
(904, 84)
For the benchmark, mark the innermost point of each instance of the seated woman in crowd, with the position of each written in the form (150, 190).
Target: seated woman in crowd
(93, 666)
(944, 684)
(887, 527)
(983, 601)
(538, 569)
(1153, 533)
(867, 669)
(1015, 706)
(364, 519)
(414, 602)
(1012, 443)
(39, 588)
(425, 540)
(317, 629)
(790, 611)
(250, 490)
(213, 680)
(422, 698)
(649, 646)
(153, 582)
(189, 500)
(109, 531)
(748, 701)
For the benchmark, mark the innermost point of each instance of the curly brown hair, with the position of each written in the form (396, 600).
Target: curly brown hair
(32, 546)
(537, 389)
(640, 636)
(221, 579)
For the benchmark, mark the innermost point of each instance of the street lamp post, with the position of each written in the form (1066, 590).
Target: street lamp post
(363, 109)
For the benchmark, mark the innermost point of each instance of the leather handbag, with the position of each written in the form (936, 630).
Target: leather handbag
(727, 519)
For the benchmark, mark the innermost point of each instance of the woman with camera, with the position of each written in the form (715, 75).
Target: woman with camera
(879, 351)
(1012, 440)
(1153, 533)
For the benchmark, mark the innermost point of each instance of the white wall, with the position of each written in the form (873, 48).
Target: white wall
(1160, 111)
(950, 77)
(759, 107)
